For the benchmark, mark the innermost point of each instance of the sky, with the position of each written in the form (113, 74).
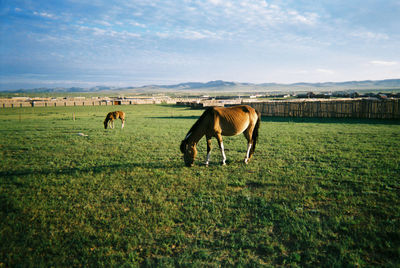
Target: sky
(121, 43)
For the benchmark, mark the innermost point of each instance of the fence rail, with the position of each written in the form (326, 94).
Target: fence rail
(343, 108)
(359, 108)
(17, 104)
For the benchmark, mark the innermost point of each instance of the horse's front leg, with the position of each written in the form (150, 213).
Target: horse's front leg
(208, 150)
(221, 146)
(123, 122)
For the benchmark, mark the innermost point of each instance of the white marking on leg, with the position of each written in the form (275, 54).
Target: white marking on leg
(248, 153)
(208, 158)
(122, 124)
(223, 153)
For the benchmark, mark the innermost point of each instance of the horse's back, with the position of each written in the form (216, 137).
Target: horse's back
(237, 113)
(234, 120)
(116, 115)
(121, 114)
(239, 109)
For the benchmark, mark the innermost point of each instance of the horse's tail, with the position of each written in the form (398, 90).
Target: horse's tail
(255, 131)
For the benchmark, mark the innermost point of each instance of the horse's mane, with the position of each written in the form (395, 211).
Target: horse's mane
(194, 127)
(199, 121)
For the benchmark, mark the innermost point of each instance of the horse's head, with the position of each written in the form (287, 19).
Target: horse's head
(105, 123)
(189, 152)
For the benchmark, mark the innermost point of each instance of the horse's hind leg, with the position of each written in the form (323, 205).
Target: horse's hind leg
(246, 160)
(249, 152)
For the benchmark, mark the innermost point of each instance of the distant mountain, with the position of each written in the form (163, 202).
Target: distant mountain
(224, 86)
(354, 84)
(199, 85)
(64, 90)
(220, 85)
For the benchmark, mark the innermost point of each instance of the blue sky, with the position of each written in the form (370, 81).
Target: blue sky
(132, 43)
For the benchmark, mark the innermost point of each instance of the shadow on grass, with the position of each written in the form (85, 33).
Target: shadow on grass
(305, 120)
(175, 117)
(116, 167)
(330, 120)
(94, 169)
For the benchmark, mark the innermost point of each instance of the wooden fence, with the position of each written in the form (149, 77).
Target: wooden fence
(352, 108)
(18, 104)
(200, 104)
(347, 108)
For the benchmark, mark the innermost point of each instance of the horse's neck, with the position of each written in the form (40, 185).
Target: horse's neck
(194, 136)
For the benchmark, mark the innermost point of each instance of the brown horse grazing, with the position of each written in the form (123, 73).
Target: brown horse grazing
(111, 116)
(217, 122)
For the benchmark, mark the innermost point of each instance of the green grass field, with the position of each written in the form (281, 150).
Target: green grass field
(318, 192)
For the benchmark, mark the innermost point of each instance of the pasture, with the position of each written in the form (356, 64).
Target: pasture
(317, 192)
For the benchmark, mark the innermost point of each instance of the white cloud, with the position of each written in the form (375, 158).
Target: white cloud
(136, 24)
(370, 35)
(190, 34)
(250, 15)
(300, 72)
(104, 23)
(307, 18)
(163, 35)
(325, 71)
(215, 2)
(196, 35)
(193, 35)
(383, 63)
(44, 15)
(107, 32)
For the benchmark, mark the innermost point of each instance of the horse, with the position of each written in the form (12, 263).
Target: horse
(217, 122)
(111, 116)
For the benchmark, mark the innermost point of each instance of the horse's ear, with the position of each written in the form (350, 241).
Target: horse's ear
(183, 146)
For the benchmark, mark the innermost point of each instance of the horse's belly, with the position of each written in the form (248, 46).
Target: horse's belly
(232, 131)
